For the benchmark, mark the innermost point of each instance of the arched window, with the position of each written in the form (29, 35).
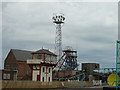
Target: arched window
(43, 69)
(49, 70)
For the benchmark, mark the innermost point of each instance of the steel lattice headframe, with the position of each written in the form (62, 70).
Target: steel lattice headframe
(67, 62)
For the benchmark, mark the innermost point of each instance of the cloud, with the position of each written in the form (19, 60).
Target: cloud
(90, 28)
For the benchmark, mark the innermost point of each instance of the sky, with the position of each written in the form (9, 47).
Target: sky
(118, 21)
(91, 28)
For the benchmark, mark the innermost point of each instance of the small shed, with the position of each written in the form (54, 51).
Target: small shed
(8, 74)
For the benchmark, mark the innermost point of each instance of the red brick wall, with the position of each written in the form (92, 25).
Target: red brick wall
(22, 68)
(10, 61)
(65, 73)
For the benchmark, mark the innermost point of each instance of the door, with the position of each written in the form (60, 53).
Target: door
(38, 77)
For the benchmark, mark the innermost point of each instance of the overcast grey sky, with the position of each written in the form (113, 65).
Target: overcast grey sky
(91, 28)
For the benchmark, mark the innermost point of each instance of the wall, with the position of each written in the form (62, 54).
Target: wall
(43, 74)
(22, 68)
(56, 84)
(64, 73)
(89, 67)
(49, 74)
(35, 73)
(10, 61)
(9, 75)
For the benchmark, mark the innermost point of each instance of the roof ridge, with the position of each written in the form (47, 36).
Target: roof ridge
(47, 51)
(22, 50)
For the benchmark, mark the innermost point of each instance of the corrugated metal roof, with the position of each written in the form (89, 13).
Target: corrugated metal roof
(44, 51)
(22, 55)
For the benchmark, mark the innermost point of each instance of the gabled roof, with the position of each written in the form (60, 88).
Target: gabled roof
(22, 55)
(44, 51)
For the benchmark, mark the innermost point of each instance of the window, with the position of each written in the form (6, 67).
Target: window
(34, 67)
(49, 79)
(45, 57)
(35, 56)
(39, 56)
(43, 69)
(43, 79)
(48, 58)
(38, 67)
(4, 76)
(54, 59)
(96, 67)
(49, 70)
(27, 72)
(8, 76)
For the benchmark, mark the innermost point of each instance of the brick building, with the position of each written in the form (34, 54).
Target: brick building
(16, 60)
(89, 68)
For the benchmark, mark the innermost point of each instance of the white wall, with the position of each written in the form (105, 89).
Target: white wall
(43, 74)
(34, 76)
(49, 74)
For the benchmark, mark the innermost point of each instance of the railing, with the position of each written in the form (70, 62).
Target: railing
(34, 61)
(38, 61)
